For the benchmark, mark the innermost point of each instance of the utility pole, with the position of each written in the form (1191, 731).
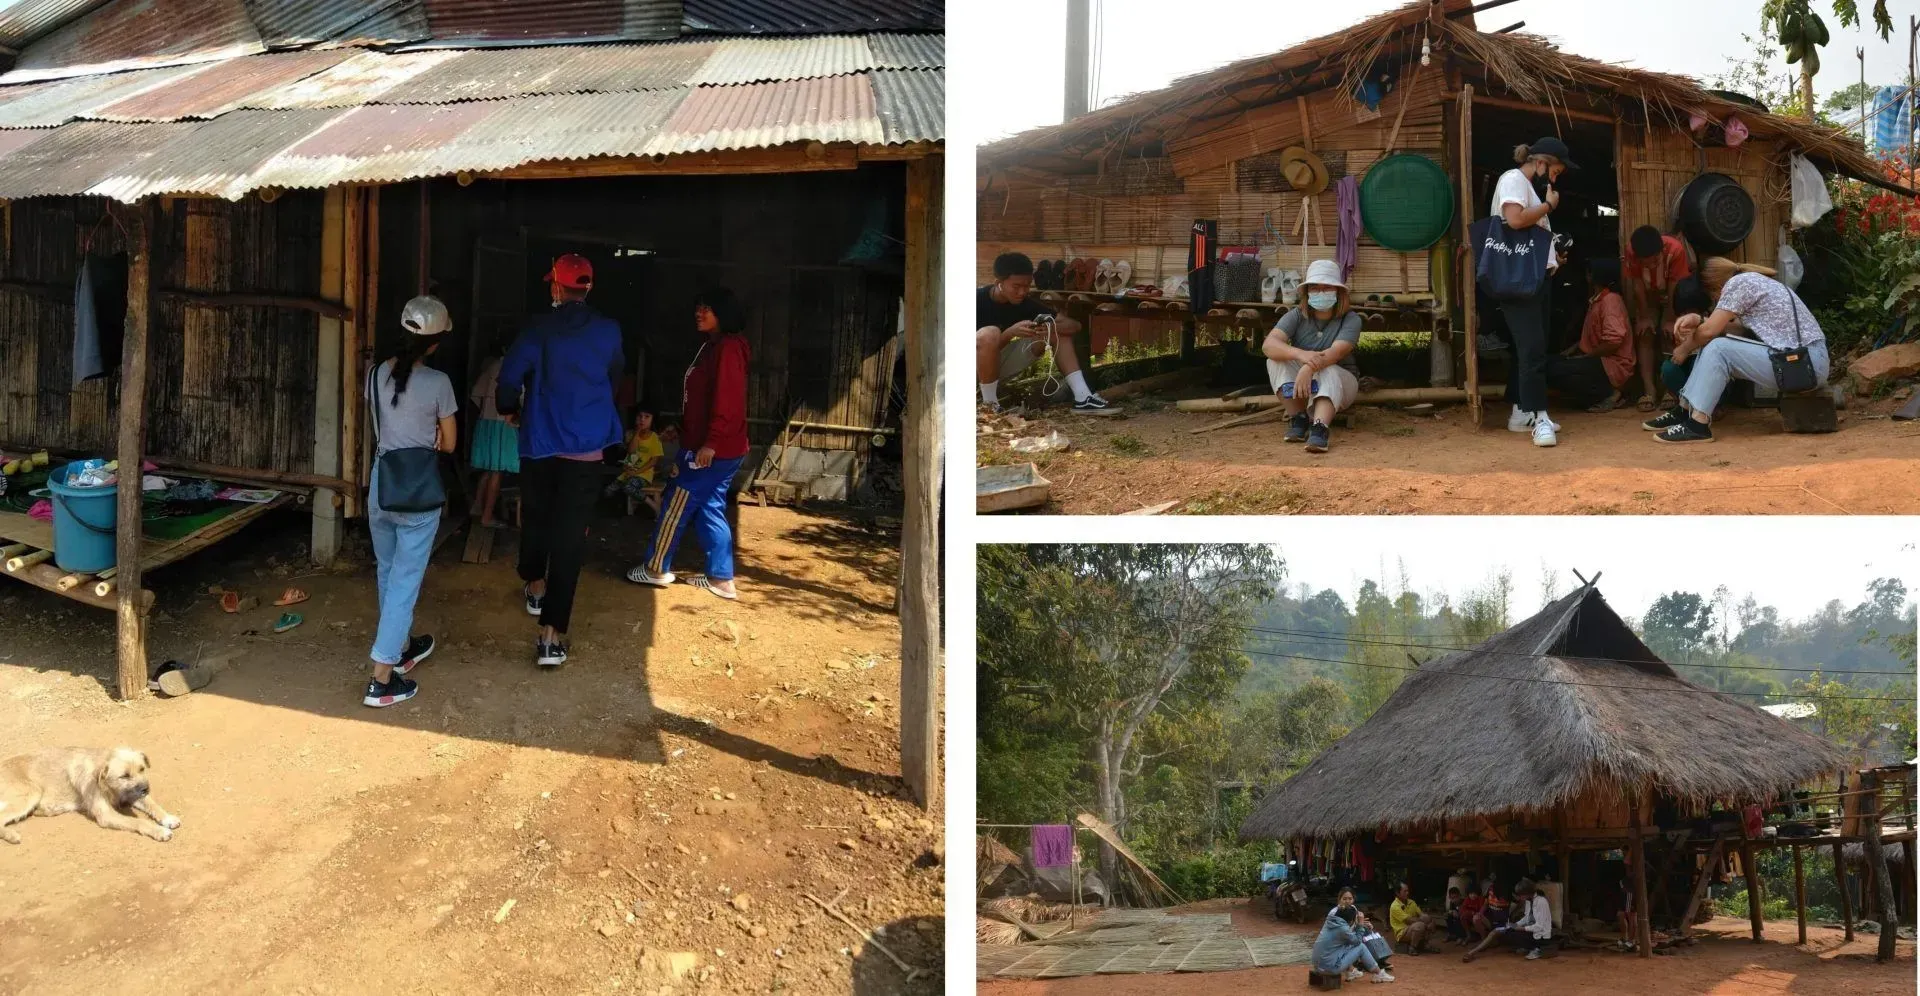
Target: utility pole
(1866, 99)
(1913, 35)
(1079, 38)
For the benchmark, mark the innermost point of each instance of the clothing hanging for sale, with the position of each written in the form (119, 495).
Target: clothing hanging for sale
(1052, 846)
(1201, 241)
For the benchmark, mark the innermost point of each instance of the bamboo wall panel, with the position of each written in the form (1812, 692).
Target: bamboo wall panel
(1334, 119)
(1657, 164)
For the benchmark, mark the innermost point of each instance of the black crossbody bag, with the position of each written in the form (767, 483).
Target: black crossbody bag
(1793, 371)
(409, 477)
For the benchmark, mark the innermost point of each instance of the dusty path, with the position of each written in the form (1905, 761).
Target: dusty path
(1395, 462)
(655, 794)
(1728, 966)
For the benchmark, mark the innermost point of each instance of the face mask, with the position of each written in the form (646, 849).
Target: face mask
(1323, 300)
(1541, 183)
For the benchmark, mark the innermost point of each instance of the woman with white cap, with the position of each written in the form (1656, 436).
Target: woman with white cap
(1310, 356)
(413, 408)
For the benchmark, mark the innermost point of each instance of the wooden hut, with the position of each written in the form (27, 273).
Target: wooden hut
(1541, 749)
(276, 179)
(1128, 181)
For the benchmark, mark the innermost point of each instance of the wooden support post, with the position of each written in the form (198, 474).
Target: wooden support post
(423, 263)
(1700, 884)
(1469, 327)
(352, 267)
(139, 223)
(1885, 907)
(1638, 847)
(1840, 879)
(1566, 865)
(1189, 341)
(920, 523)
(1800, 893)
(1666, 868)
(329, 379)
(1755, 896)
(367, 337)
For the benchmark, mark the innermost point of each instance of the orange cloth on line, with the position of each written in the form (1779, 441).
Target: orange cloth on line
(1605, 334)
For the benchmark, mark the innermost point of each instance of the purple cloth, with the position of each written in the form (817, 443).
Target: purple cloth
(1052, 846)
(1347, 250)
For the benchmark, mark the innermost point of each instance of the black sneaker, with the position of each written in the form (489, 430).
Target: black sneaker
(1667, 419)
(1296, 429)
(549, 654)
(1317, 438)
(418, 649)
(1685, 431)
(1093, 404)
(533, 600)
(396, 690)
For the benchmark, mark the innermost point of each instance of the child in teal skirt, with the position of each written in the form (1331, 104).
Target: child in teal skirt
(496, 443)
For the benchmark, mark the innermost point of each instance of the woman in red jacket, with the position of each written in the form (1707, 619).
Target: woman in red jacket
(1592, 372)
(713, 442)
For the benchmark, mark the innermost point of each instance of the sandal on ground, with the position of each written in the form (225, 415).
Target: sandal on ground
(706, 583)
(292, 596)
(1646, 404)
(1613, 401)
(287, 621)
(230, 602)
(640, 575)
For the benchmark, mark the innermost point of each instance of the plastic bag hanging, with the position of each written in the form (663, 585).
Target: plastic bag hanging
(1810, 199)
(1787, 263)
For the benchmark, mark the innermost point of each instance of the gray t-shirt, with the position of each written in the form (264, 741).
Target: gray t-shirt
(428, 398)
(1766, 308)
(1312, 334)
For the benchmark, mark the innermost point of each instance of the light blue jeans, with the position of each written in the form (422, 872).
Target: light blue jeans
(1726, 359)
(402, 544)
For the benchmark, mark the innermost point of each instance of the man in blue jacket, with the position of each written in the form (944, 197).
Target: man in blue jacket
(557, 383)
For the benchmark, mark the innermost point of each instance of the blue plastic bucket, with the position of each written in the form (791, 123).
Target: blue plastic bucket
(83, 521)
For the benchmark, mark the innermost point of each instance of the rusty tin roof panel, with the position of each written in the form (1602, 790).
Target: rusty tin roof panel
(25, 20)
(74, 158)
(216, 158)
(896, 51)
(837, 109)
(15, 139)
(520, 22)
(219, 88)
(44, 105)
(363, 78)
(760, 60)
(752, 17)
(912, 105)
(140, 34)
(299, 23)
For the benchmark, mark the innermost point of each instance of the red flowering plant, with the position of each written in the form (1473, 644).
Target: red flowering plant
(1863, 262)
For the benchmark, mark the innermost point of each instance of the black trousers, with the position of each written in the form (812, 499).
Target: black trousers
(1582, 380)
(1527, 321)
(558, 496)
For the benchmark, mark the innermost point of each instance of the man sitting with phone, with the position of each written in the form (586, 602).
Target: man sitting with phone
(1014, 330)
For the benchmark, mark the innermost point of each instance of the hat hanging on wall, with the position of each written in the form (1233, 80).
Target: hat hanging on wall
(1303, 170)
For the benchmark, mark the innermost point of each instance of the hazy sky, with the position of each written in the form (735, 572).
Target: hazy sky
(1149, 43)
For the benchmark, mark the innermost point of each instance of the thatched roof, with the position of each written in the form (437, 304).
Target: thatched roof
(1527, 67)
(1563, 703)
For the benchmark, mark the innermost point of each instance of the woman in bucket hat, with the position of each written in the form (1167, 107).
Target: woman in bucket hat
(1310, 356)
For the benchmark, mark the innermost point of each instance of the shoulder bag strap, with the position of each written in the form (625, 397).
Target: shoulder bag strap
(373, 399)
(1793, 305)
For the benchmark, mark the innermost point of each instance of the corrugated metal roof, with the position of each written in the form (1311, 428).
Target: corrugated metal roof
(218, 88)
(135, 35)
(20, 138)
(896, 51)
(789, 17)
(44, 105)
(73, 158)
(361, 79)
(299, 23)
(26, 20)
(520, 22)
(213, 158)
(760, 60)
(837, 109)
(912, 105)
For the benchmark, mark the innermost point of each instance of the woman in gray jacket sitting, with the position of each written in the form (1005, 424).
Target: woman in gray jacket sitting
(1340, 948)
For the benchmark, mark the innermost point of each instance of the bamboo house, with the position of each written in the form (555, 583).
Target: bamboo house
(1433, 105)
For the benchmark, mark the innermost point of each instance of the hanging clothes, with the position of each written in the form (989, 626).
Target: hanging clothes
(1364, 861)
(1893, 124)
(1052, 846)
(1346, 249)
(1202, 239)
(99, 316)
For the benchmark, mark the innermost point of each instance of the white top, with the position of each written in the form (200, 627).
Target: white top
(1538, 918)
(1515, 188)
(1766, 308)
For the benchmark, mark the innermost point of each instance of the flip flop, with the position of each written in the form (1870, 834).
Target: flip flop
(702, 581)
(1645, 404)
(175, 679)
(230, 602)
(287, 621)
(292, 596)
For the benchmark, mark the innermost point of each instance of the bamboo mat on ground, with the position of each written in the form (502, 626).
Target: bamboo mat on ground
(1118, 942)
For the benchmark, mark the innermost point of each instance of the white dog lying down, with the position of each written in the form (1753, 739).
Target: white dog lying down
(108, 785)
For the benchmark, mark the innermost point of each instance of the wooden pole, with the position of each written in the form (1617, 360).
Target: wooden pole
(353, 219)
(1754, 896)
(1876, 854)
(330, 379)
(1700, 886)
(1468, 325)
(369, 321)
(1638, 845)
(1840, 878)
(131, 613)
(920, 525)
(1800, 893)
(423, 264)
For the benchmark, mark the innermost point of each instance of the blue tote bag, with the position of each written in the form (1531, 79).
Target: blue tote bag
(1510, 263)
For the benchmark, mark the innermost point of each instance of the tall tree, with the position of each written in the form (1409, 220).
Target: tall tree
(1677, 625)
(1802, 33)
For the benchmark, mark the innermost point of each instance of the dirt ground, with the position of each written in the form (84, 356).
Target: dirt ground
(1729, 965)
(695, 771)
(1435, 463)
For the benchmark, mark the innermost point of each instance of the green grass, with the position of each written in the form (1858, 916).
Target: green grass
(1265, 499)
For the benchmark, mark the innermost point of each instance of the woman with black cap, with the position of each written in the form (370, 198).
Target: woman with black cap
(1524, 197)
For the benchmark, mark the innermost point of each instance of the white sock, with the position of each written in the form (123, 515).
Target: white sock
(1077, 380)
(990, 392)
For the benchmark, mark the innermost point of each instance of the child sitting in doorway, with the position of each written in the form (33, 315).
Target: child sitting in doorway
(645, 451)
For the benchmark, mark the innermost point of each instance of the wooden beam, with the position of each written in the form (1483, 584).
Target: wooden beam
(1840, 878)
(207, 299)
(1469, 328)
(139, 223)
(920, 528)
(328, 396)
(796, 158)
(1521, 105)
(1638, 847)
(352, 271)
(1800, 893)
(1756, 896)
(47, 576)
(1700, 886)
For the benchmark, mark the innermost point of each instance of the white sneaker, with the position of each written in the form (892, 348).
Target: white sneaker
(1355, 975)
(1543, 433)
(1382, 976)
(1520, 421)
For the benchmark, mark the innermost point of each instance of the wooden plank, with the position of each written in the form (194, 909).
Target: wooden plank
(48, 576)
(208, 299)
(140, 223)
(1557, 110)
(1800, 893)
(1704, 879)
(784, 159)
(921, 448)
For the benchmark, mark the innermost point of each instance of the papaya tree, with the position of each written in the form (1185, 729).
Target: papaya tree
(1802, 33)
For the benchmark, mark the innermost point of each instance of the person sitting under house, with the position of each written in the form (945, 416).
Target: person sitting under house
(1455, 933)
(1411, 927)
(641, 467)
(1013, 330)
(1592, 371)
(1493, 910)
(1770, 311)
(1310, 357)
(1472, 924)
(1653, 266)
(1529, 929)
(1627, 926)
(1341, 947)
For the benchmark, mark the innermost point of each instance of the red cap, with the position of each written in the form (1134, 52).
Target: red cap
(571, 270)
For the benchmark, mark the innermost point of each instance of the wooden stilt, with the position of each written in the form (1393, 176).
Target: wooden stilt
(140, 223)
(1800, 892)
(1846, 900)
(920, 526)
(1642, 927)
(1700, 883)
(1755, 897)
(1876, 855)
(352, 397)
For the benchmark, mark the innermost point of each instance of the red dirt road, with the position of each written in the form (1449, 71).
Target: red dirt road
(1725, 966)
